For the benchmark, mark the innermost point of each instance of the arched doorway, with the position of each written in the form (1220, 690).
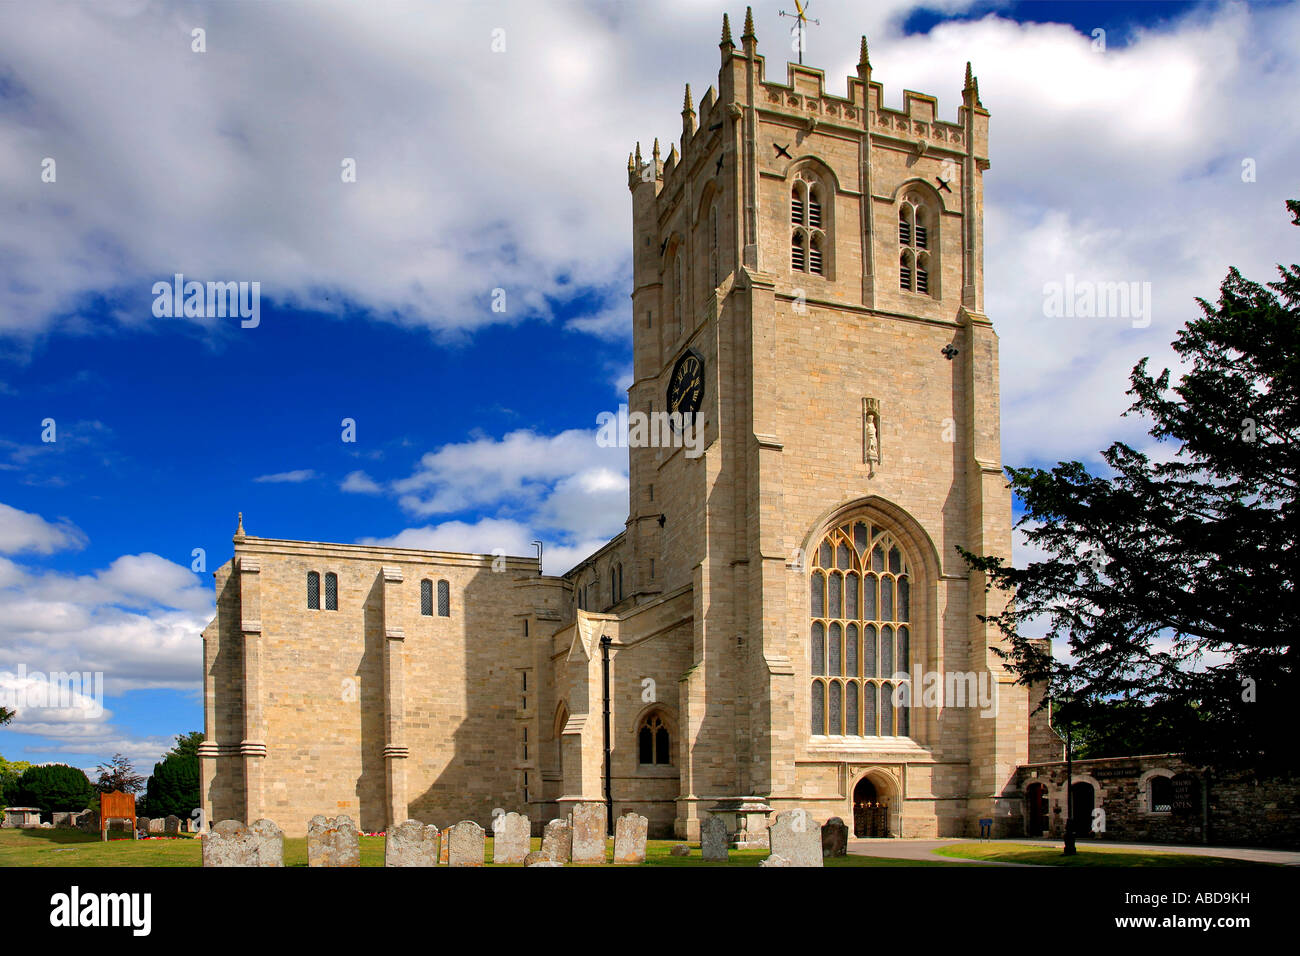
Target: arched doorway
(1036, 798)
(870, 810)
(1083, 803)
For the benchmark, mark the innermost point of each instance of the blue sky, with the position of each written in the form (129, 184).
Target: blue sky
(480, 171)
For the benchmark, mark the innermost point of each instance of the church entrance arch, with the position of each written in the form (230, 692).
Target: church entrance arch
(872, 798)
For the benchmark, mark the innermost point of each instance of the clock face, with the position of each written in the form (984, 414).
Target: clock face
(686, 385)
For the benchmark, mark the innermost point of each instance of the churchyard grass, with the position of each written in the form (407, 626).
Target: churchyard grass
(74, 848)
(1087, 856)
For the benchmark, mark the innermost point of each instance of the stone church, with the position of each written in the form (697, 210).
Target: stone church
(768, 629)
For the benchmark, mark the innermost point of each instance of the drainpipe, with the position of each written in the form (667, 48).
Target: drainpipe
(1069, 849)
(605, 642)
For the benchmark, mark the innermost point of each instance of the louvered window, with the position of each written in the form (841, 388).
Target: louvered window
(905, 272)
(815, 256)
(797, 257)
(814, 209)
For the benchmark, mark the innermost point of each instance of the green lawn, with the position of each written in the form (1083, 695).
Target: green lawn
(74, 848)
(1088, 855)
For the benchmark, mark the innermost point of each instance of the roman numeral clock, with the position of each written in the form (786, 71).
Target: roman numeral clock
(686, 387)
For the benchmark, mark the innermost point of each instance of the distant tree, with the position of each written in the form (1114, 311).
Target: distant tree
(1173, 581)
(6, 715)
(174, 787)
(187, 745)
(118, 774)
(11, 772)
(55, 787)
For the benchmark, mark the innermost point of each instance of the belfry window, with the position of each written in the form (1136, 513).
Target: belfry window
(808, 240)
(860, 630)
(653, 742)
(914, 239)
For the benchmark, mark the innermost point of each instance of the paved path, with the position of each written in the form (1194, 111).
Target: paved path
(924, 850)
(916, 850)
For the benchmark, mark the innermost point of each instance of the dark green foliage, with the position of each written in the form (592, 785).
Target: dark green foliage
(1173, 581)
(55, 787)
(174, 787)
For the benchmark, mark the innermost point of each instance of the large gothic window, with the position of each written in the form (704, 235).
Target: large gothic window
(860, 633)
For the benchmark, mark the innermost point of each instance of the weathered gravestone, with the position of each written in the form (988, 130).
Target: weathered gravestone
(412, 844)
(511, 838)
(173, 824)
(776, 861)
(444, 838)
(835, 837)
(629, 838)
(88, 821)
(713, 839)
(466, 842)
(681, 849)
(796, 836)
(142, 824)
(557, 841)
(589, 832)
(333, 841)
(62, 818)
(230, 843)
(156, 824)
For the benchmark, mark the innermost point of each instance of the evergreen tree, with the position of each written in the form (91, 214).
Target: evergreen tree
(1173, 581)
(55, 787)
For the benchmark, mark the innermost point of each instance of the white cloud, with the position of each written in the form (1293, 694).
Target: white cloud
(358, 482)
(289, 477)
(22, 531)
(488, 535)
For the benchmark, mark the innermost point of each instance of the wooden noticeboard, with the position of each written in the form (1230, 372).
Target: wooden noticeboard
(115, 806)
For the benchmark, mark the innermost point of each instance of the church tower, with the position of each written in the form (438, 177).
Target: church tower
(808, 272)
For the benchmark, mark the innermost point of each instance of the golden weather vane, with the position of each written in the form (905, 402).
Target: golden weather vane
(801, 21)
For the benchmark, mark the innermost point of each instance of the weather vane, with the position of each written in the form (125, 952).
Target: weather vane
(801, 21)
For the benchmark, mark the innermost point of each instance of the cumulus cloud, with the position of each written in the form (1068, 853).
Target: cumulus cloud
(22, 531)
(358, 482)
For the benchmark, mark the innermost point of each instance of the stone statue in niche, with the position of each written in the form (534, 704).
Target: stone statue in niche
(871, 434)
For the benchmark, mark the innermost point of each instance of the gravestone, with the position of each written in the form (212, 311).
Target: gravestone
(835, 838)
(62, 818)
(511, 836)
(88, 821)
(142, 824)
(156, 824)
(333, 841)
(680, 849)
(589, 832)
(713, 839)
(545, 863)
(444, 839)
(776, 861)
(796, 836)
(466, 842)
(412, 844)
(173, 824)
(629, 838)
(557, 841)
(230, 843)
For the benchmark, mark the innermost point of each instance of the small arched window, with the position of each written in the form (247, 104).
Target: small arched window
(426, 598)
(713, 246)
(1161, 796)
(313, 590)
(677, 291)
(654, 746)
(808, 239)
(444, 599)
(914, 235)
(331, 591)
